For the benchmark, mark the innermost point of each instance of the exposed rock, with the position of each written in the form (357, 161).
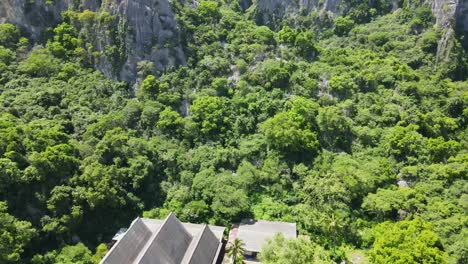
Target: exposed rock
(461, 21)
(403, 184)
(451, 16)
(144, 30)
(402, 214)
(151, 34)
(32, 16)
(245, 4)
(147, 29)
(269, 12)
(444, 12)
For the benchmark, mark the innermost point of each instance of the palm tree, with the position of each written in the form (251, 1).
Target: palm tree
(236, 250)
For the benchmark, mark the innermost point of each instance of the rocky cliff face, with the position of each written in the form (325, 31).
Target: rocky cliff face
(270, 12)
(32, 16)
(461, 21)
(452, 18)
(143, 30)
(146, 30)
(451, 15)
(149, 32)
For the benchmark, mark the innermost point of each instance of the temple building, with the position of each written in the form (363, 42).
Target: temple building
(169, 241)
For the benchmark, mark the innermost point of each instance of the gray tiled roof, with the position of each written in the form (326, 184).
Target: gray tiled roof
(168, 241)
(167, 245)
(130, 245)
(203, 248)
(193, 229)
(255, 233)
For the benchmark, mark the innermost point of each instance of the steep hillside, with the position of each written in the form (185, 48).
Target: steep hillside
(349, 118)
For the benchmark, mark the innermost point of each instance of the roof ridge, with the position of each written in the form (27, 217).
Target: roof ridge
(170, 217)
(137, 221)
(189, 255)
(248, 220)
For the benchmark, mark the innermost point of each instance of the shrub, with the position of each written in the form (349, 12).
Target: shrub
(343, 26)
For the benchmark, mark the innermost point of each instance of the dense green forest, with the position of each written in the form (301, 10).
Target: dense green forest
(350, 126)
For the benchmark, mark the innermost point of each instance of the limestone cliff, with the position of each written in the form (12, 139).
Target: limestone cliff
(452, 19)
(142, 30)
(461, 21)
(32, 16)
(147, 30)
(271, 12)
(451, 15)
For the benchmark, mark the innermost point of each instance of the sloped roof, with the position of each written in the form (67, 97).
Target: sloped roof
(167, 245)
(255, 233)
(203, 248)
(149, 241)
(130, 245)
(193, 229)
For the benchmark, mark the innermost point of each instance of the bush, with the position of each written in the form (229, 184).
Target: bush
(287, 35)
(343, 26)
(208, 11)
(40, 63)
(6, 55)
(378, 38)
(429, 42)
(305, 43)
(9, 35)
(264, 35)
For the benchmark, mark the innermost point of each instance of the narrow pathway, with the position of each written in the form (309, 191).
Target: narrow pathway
(232, 235)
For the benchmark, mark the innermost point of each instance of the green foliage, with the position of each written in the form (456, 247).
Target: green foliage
(6, 56)
(287, 35)
(229, 204)
(65, 40)
(291, 132)
(272, 74)
(208, 11)
(404, 142)
(79, 254)
(149, 88)
(343, 26)
(236, 251)
(263, 35)
(170, 122)
(406, 242)
(301, 251)
(211, 117)
(336, 125)
(14, 237)
(101, 251)
(305, 43)
(40, 63)
(378, 38)
(9, 35)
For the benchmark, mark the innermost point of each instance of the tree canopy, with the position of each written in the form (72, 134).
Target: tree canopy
(353, 125)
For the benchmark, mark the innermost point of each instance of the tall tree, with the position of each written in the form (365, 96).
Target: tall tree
(236, 251)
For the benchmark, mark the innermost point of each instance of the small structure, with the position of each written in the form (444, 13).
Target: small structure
(255, 233)
(168, 241)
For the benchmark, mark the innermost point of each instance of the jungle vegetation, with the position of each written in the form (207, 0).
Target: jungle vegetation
(349, 126)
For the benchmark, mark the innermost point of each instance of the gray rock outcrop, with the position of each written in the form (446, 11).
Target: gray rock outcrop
(270, 12)
(147, 30)
(461, 21)
(150, 33)
(144, 30)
